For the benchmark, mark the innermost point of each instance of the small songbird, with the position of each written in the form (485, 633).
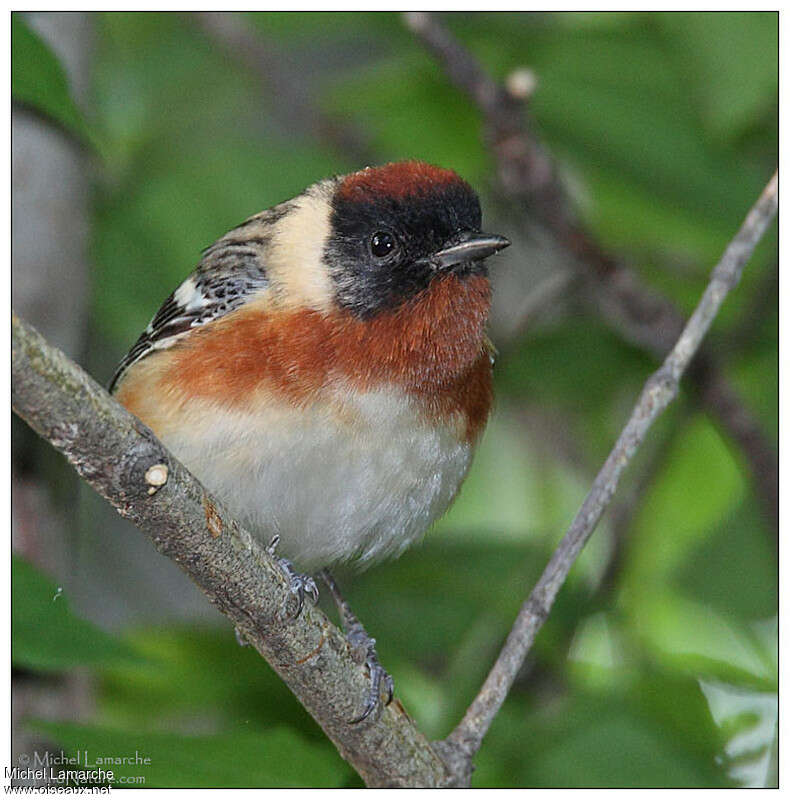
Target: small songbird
(325, 371)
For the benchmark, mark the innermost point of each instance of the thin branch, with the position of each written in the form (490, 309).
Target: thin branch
(528, 175)
(122, 459)
(660, 389)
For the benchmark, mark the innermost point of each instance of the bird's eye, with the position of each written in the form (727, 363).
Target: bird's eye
(382, 244)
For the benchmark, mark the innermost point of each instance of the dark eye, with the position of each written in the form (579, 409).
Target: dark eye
(382, 244)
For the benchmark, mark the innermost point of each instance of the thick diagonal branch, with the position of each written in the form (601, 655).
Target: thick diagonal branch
(122, 459)
(527, 175)
(660, 389)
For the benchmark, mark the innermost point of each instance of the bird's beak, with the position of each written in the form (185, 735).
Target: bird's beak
(467, 247)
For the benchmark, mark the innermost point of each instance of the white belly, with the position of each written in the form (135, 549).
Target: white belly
(360, 484)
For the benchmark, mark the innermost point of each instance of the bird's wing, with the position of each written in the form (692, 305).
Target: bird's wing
(230, 273)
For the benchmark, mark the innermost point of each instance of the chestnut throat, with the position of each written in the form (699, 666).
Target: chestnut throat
(433, 348)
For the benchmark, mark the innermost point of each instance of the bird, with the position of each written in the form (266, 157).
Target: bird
(326, 373)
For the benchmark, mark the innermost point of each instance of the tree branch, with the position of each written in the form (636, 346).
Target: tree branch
(661, 388)
(122, 459)
(527, 175)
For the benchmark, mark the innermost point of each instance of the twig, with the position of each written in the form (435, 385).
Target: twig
(121, 458)
(661, 388)
(528, 175)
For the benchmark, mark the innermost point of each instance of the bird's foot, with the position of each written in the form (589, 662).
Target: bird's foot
(379, 677)
(363, 648)
(299, 585)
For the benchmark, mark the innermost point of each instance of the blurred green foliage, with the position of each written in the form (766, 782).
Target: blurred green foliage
(39, 81)
(272, 758)
(665, 124)
(38, 604)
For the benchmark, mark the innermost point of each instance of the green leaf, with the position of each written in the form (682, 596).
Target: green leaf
(38, 80)
(47, 636)
(274, 758)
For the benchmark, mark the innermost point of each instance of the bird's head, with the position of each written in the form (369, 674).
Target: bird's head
(375, 239)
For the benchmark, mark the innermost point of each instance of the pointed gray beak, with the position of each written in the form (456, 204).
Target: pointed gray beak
(468, 247)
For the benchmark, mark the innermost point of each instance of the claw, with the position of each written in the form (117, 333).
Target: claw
(378, 675)
(299, 585)
(371, 704)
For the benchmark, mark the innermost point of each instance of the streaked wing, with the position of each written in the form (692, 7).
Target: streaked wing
(230, 273)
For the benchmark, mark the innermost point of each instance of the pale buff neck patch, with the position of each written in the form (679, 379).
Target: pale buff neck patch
(294, 260)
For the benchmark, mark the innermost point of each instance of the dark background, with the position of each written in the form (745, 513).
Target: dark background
(658, 665)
